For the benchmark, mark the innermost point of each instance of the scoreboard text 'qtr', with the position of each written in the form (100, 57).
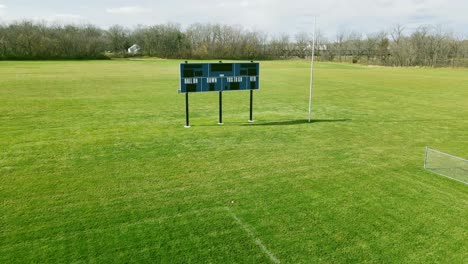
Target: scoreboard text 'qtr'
(218, 77)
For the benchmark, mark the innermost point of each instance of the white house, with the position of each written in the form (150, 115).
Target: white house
(134, 49)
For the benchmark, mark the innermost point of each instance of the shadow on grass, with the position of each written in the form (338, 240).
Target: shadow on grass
(297, 122)
(305, 121)
(406, 120)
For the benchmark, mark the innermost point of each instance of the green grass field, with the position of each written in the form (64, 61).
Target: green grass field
(96, 166)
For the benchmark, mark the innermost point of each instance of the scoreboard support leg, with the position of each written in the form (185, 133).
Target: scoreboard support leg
(187, 121)
(251, 107)
(220, 122)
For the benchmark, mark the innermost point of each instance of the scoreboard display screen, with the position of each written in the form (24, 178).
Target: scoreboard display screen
(217, 77)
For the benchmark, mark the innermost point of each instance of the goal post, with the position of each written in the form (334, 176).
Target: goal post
(447, 165)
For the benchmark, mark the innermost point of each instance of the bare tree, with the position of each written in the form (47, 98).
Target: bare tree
(118, 38)
(340, 44)
(356, 46)
(279, 46)
(303, 40)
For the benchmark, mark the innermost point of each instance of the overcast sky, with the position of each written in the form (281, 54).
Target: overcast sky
(272, 16)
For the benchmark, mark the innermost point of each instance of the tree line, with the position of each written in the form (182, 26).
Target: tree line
(38, 41)
(425, 46)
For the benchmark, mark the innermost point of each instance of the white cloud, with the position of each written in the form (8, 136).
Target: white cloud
(128, 10)
(2, 10)
(68, 18)
(244, 3)
(61, 19)
(272, 16)
(366, 16)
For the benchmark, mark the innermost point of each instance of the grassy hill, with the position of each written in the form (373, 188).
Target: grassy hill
(96, 166)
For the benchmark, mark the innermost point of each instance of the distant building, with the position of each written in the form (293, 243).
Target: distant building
(317, 47)
(134, 49)
(322, 47)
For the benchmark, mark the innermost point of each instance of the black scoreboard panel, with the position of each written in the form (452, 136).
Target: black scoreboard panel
(216, 77)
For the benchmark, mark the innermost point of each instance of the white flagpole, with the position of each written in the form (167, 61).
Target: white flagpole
(312, 70)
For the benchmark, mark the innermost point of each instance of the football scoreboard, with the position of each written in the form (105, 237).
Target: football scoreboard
(218, 77)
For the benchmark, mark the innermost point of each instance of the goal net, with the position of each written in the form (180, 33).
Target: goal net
(446, 165)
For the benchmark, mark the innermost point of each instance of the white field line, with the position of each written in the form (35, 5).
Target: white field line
(251, 234)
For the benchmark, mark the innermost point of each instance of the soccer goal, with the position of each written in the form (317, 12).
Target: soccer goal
(447, 165)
